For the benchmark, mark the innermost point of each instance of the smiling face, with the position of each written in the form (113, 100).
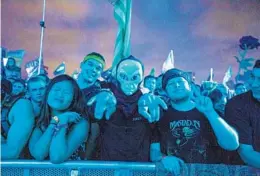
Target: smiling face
(129, 75)
(60, 96)
(91, 70)
(178, 88)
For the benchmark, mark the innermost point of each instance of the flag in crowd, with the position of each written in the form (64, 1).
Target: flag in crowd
(152, 72)
(228, 75)
(211, 75)
(75, 74)
(169, 62)
(18, 56)
(61, 69)
(31, 68)
(122, 14)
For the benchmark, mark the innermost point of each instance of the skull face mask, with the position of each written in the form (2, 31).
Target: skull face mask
(129, 76)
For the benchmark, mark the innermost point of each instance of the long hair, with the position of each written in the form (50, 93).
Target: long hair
(77, 105)
(13, 66)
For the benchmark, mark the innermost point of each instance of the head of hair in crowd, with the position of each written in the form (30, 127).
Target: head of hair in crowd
(11, 63)
(45, 77)
(129, 75)
(36, 87)
(255, 80)
(223, 89)
(62, 94)
(177, 85)
(18, 87)
(219, 101)
(12, 80)
(92, 66)
(240, 88)
(14, 73)
(150, 83)
(6, 88)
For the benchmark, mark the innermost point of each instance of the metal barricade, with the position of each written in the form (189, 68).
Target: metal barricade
(103, 168)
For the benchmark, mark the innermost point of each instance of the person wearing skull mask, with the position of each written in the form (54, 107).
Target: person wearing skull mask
(126, 134)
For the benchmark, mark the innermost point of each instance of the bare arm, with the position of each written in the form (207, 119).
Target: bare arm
(227, 137)
(20, 130)
(155, 152)
(92, 140)
(63, 146)
(39, 144)
(249, 155)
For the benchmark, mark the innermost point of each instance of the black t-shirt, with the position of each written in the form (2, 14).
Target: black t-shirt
(189, 136)
(126, 135)
(243, 113)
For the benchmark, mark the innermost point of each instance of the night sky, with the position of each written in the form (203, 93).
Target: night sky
(202, 33)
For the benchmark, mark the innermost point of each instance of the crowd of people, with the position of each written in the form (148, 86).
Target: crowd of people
(176, 121)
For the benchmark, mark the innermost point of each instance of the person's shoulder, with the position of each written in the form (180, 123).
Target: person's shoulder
(22, 107)
(23, 102)
(169, 112)
(241, 99)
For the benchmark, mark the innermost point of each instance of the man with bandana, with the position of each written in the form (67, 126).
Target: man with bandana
(243, 113)
(91, 68)
(126, 132)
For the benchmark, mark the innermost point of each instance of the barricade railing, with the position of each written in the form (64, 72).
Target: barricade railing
(103, 168)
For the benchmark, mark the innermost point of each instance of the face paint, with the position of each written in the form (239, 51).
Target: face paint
(129, 75)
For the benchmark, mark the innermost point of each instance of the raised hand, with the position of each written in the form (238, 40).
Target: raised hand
(105, 104)
(69, 117)
(204, 105)
(149, 107)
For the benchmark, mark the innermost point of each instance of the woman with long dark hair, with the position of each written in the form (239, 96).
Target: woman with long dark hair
(62, 127)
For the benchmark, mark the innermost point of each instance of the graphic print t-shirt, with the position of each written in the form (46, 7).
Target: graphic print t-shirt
(189, 136)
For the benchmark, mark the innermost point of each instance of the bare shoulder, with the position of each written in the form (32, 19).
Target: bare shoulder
(22, 108)
(23, 103)
(82, 124)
